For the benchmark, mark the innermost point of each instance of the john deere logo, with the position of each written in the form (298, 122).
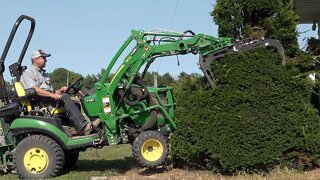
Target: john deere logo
(90, 100)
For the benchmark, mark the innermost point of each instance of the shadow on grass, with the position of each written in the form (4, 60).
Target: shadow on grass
(119, 165)
(151, 171)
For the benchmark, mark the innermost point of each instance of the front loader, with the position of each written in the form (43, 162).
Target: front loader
(39, 142)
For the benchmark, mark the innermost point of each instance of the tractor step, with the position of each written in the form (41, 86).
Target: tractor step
(83, 136)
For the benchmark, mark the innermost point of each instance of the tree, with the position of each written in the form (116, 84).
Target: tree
(149, 78)
(274, 19)
(189, 83)
(165, 80)
(59, 77)
(89, 80)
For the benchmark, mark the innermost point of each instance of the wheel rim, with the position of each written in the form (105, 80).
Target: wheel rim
(36, 160)
(152, 150)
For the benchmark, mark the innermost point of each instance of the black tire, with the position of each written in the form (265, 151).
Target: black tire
(71, 160)
(150, 148)
(37, 157)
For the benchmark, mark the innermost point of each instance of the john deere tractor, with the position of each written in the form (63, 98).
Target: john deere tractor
(37, 139)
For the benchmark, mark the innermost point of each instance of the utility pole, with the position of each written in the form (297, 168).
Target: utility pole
(68, 78)
(155, 79)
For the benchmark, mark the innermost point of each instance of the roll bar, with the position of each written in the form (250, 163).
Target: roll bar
(15, 69)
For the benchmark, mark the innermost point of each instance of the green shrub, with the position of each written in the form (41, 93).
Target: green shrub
(259, 115)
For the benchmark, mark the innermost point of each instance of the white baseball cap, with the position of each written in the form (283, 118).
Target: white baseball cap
(39, 53)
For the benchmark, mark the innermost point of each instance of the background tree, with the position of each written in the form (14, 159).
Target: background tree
(274, 19)
(162, 80)
(165, 80)
(189, 83)
(149, 78)
(59, 77)
(89, 80)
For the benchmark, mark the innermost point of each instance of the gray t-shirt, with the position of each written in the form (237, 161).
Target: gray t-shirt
(33, 76)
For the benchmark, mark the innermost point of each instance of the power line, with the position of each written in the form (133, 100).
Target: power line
(174, 14)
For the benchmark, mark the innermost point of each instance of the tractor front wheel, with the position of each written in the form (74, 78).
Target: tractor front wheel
(38, 157)
(150, 148)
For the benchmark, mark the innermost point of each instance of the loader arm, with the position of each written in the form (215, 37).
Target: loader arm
(151, 45)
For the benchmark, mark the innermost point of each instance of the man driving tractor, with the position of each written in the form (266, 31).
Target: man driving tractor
(35, 77)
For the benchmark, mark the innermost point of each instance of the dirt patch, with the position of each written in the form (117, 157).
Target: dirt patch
(161, 173)
(165, 173)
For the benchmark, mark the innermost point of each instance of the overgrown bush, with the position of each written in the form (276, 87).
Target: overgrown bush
(259, 115)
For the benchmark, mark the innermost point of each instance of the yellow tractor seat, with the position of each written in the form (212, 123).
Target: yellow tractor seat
(23, 95)
(27, 95)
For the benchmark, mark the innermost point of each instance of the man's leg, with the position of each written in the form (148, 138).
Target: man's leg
(75, 114)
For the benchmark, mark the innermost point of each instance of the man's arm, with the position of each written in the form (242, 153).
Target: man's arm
(41, 92)
(61, 90)
(29, 81)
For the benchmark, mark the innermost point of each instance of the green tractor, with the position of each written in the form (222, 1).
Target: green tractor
(37, 142)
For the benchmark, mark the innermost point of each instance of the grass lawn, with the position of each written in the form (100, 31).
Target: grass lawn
(108, 161)
(116, 162)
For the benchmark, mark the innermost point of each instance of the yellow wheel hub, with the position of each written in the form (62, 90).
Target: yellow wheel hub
(36, 160)
(152, 150)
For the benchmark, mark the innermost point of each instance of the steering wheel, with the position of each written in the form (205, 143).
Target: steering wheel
(75, 86)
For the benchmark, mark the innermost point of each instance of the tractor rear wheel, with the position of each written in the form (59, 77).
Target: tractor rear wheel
(150, 148)
(37, 157)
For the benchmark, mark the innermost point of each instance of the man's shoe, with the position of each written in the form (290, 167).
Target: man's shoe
(90, 126)
(96, 122)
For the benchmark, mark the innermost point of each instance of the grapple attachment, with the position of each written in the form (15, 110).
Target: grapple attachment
(238, 46)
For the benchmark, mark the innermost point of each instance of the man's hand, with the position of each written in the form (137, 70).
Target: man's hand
(56, 96)
(61, 90)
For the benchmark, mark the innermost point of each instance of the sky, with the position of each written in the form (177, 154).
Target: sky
(84, 35)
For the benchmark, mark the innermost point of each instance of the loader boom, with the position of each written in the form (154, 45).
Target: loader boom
(151, 45)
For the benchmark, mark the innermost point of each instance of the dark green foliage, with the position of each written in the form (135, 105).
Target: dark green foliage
(274, 19)
(162, 80)
(258, 116)
(149, 78)
(59, 78)
(88, 81)
(313, 46)
(187, 84)
(165, 80)
(60, 75)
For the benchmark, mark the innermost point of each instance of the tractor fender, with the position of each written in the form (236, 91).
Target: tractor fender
(26, 125)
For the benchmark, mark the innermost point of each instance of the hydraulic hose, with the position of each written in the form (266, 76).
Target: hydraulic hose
(140, 94)
(153, 115)
(136, 92)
